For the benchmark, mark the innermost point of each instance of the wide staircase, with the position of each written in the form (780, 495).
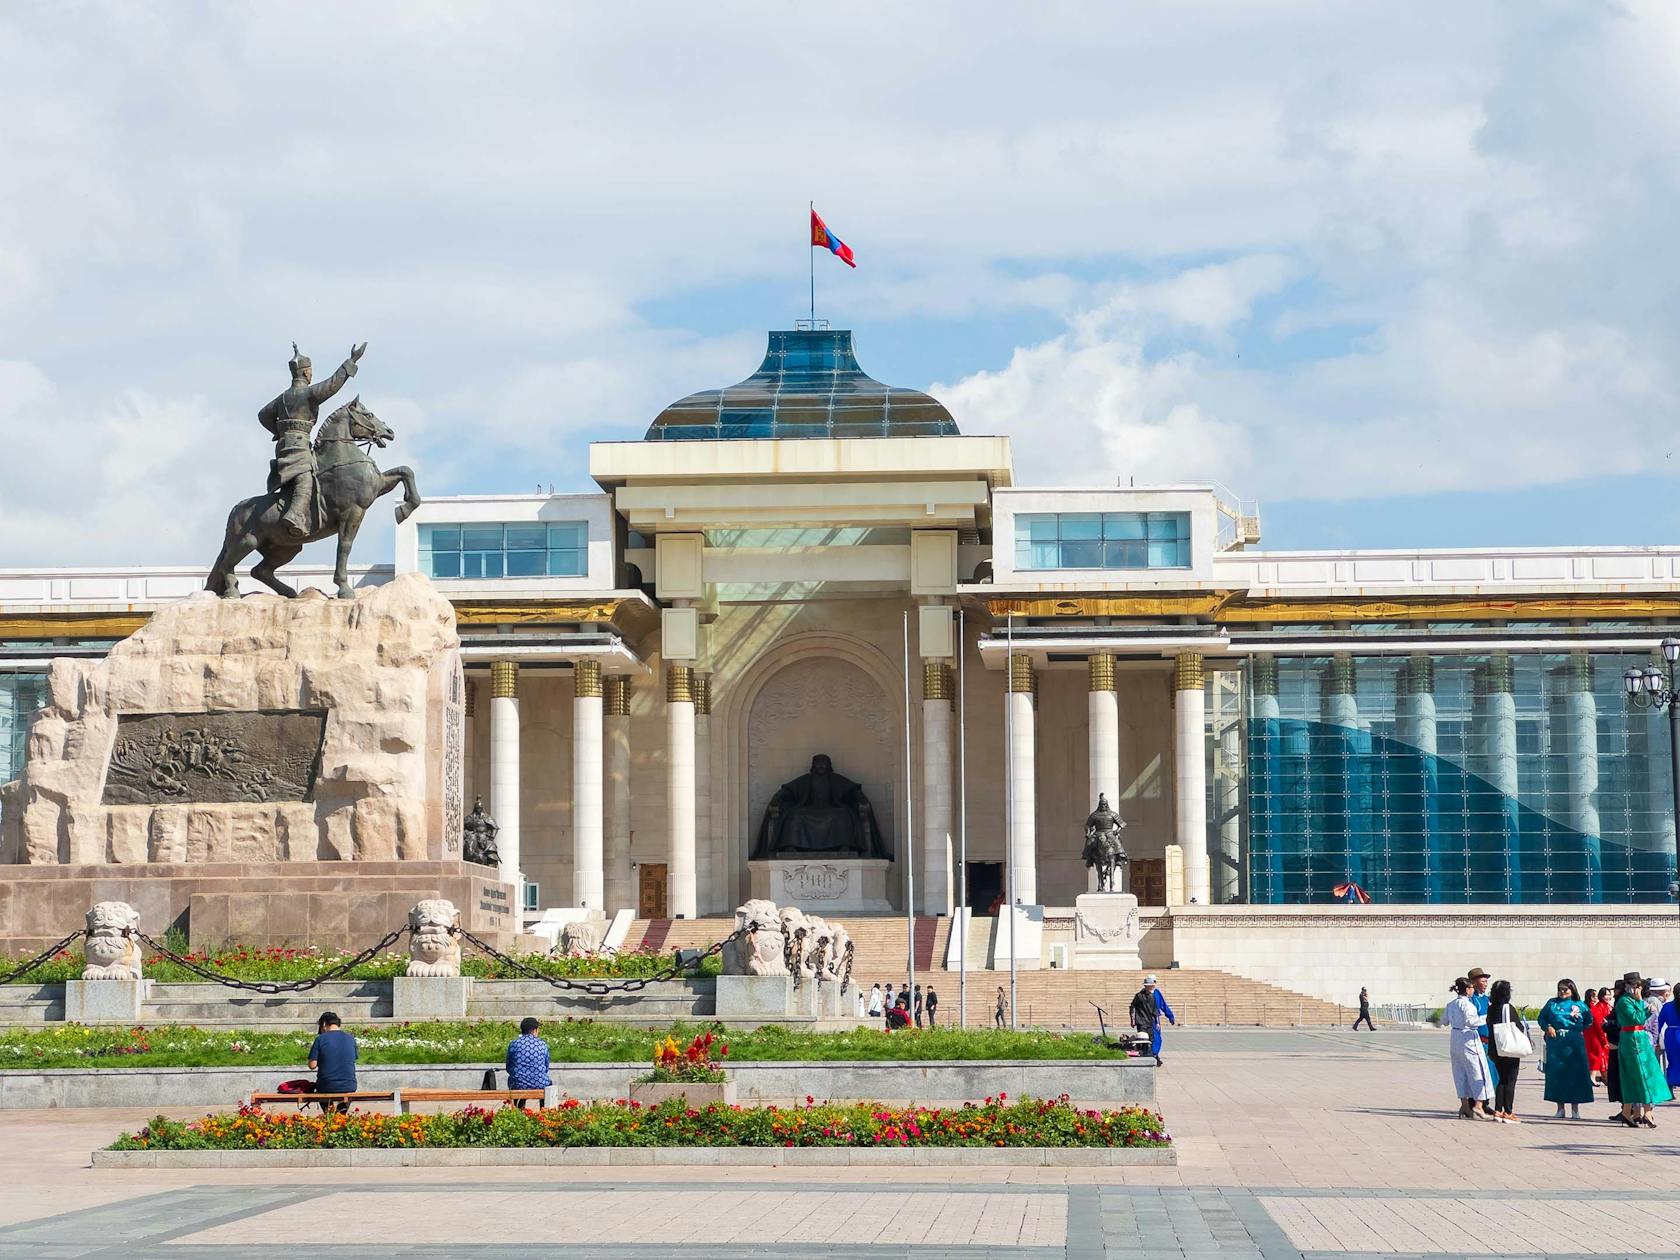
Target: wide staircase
(1045, 999)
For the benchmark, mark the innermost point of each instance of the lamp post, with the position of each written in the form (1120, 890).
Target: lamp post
(1653, 688)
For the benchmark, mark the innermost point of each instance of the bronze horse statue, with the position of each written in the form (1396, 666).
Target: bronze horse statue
(347, 483)
(1103, 849)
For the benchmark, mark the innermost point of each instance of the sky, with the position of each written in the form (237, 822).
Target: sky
(1400, 274)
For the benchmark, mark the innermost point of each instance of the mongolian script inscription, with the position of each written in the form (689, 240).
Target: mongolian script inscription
(215, 758)
(815, 883)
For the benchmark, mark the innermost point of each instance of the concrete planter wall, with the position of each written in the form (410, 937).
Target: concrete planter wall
(1089, 1082)
(695, 1093)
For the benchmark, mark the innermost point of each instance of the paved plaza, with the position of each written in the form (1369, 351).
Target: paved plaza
(1290, 1143)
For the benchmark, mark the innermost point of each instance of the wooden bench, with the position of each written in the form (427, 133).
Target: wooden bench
(507, 1097)
(360, 1095)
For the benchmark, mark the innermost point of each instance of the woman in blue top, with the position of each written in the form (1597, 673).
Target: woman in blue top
(1564, 1020)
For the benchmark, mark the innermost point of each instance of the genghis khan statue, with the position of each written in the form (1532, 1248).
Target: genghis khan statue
(820, 814)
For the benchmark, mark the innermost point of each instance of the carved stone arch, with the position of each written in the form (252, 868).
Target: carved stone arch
(731, 738)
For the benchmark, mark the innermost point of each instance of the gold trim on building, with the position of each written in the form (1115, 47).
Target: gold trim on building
(616, 695)
(469, 697)
(1101, 669)
(586, 679)
(1022, 679)
(1237, 608)
(504, 680)
(1187, 671)
(702, 695)
(621, 614)
(679, 684)
(937, 681)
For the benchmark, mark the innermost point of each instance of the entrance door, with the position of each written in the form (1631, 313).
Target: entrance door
(650, 890)
(985, 887)
(1149, 881)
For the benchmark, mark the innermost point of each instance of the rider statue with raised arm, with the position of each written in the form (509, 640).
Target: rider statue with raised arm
(291, 418)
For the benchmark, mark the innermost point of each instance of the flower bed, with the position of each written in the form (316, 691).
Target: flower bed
(995, 1123)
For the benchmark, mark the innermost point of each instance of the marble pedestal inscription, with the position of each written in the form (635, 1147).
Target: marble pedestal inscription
(215, 758)
(1106, 932)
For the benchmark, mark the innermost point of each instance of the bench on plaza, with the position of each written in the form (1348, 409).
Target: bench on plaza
(507, 1097)
(304, 1098)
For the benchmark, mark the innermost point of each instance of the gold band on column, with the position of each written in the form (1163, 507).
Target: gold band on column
(1187, 672)
(1102, 672)
(1265, 675)
(679, 684)
(586, 679)
(1339, 676)
(702, 695)
(1579, 671)
(937, 681)
(469, 697)
(1420, 675)
(1022, 680)
(616, 693)
(504, 680)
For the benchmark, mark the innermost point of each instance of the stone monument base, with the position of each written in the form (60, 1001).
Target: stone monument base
(754, 998)
(823, 885)
(104, 1001)
(421, 998)
(331, 905)
(1106, 933)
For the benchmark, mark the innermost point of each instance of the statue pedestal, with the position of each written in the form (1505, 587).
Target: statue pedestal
(1106, 933)
(104, 1001)
(824, 885)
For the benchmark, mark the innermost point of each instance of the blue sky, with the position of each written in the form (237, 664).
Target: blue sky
(1402, 274)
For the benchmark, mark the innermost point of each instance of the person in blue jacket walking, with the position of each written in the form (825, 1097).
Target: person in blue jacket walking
(1148, 1009)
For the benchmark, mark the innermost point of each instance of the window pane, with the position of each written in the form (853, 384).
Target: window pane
(525, 563)
(445, 564)
(441, 537)
(565, 563)
(1082, 555)
(472, 564)
(1163, 555)
(1046, 555)
(481, 538)
(1123, 525)
(1080, 525)
(1041, 528)
(570, 534)
(526, 538)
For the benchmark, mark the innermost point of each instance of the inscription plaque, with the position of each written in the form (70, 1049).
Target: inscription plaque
(215, 758)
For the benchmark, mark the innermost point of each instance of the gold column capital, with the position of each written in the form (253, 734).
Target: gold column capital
(504, 680)
(1101, 672)
(469, 696)
(679, 684)
(1580, 671)
(1022, 679)
(586, 678)
(702, 695)
(616, 695)
(1187, 672)
(937, 681)
(1339, 676)
(1265, 670)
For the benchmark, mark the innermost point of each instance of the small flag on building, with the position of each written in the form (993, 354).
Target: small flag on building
(1351, 893)
(820, 235)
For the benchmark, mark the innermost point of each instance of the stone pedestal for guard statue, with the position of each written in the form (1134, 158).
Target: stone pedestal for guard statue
(754, 998)
(1106, 933)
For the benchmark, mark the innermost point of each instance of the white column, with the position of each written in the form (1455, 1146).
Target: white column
(1499, 715)
(706, 865)
(1023, 785)
(1580, 714)
(620, 887)
(682, 898)
(1190, 778)
(588, 783)
(504, 772)
(1102, 741)
(933, 884)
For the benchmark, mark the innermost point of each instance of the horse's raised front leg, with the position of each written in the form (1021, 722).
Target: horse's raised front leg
(349, 521)
(223, 579)
(402, 475)
(274, 555)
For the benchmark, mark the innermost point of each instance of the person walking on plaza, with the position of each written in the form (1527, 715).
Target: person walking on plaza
(1643, 1084)
(1364, 1012)
(527, 1058)
(1668, 1040)
(875, 1007)
(332, 1055)
(891, 999)
(1613, 1037)
(1598, 1045)
(1472, 1081)
(1002, 1009)
(932, 1005)
(1149, 1007)
(1564, 1020)
(1479, 981)
(916, 1005)
(1506, 1065)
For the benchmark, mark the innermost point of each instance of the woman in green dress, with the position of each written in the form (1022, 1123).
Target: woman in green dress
(1564, 1020)
(1643, 1084)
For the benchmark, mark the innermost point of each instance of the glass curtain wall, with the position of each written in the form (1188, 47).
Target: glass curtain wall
(21, 695)
(1497, 779)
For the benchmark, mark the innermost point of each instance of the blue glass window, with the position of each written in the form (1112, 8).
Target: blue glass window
(1102, 540)
(505, 549)
(21, 695)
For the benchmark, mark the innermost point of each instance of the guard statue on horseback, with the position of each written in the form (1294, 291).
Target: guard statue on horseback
(316, 489)
(1103, 849)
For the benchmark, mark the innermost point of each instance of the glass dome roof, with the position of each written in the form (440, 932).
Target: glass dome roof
(809, 386)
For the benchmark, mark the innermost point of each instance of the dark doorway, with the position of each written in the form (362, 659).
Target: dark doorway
(985, 887)
(650, 890)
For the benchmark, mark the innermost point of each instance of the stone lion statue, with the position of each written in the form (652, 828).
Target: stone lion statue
(433, 949)
(113, 952)
(819, 942)
(762, 953)
(584, 936)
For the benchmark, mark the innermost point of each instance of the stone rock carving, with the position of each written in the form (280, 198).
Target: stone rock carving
(214, 758)
(762, 953)
(583, 936)
(433, 948)
(113, 951)
(478, 836)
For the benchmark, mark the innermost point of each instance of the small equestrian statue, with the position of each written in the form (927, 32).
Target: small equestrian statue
(1103, 849)
(316, 489)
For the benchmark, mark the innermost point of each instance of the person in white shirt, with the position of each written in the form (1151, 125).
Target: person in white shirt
(875, 1007)
(1472, 1081)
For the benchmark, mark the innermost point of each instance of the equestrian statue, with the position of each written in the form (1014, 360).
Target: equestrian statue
(1103, 849)
(316, 489)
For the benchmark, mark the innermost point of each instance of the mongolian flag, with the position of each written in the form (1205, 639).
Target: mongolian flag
(1351, 893)
(820, 235)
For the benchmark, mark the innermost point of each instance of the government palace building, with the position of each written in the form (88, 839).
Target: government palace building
(1335, 768)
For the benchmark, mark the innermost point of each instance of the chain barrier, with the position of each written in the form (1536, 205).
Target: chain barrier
(846, 975)
(793, 953)
(45, 955)
(601, 988)
(271, 986)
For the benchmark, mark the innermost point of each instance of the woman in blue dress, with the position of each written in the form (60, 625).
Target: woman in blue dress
(1564, 1020)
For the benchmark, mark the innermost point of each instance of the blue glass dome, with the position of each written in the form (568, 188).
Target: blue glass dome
(809, 386)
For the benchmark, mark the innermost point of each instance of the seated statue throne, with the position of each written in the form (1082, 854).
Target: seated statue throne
(819, 814)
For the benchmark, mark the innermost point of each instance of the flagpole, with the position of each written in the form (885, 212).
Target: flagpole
(811, 255)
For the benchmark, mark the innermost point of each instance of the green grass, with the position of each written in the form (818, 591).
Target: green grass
(570, 1041)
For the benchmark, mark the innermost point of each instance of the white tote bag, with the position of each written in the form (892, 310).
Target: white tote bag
(1510, 1039)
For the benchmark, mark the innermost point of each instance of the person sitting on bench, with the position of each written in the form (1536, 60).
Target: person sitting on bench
(527, 1058)
(332, 1056)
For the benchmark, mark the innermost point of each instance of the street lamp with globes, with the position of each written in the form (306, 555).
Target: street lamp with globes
(1653, 688)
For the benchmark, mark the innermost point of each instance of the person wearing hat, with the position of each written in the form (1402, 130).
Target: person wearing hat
(1668, 1038)
(1149, 1005)
(1479, 981)
(1642, 1080)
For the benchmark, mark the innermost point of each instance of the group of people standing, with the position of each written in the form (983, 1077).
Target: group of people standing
(910, 1003)
(1625, 1038)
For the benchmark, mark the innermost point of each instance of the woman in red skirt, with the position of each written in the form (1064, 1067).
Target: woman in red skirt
(1598, 1045)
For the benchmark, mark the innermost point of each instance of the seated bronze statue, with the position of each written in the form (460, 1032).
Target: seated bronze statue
(819, 814)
